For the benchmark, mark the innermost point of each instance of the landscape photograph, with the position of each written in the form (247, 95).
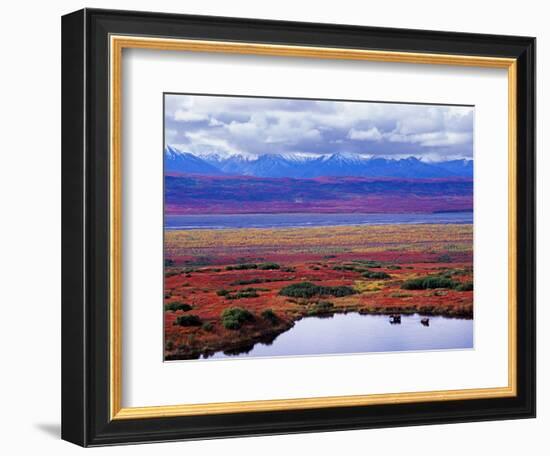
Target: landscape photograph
(302, 227)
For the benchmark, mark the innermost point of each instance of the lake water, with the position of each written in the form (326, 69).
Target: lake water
(355, 333)
(226, 221)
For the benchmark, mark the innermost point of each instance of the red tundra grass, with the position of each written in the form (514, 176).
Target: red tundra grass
(214, 270)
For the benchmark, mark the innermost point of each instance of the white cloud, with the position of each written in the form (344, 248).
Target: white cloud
(214, 122)
(262, 125)
(202, 142)
(189, 116)
(432, 139)
(170, 134)
(372, 134)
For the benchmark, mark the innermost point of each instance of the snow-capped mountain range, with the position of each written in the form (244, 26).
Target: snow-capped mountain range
(303, 165)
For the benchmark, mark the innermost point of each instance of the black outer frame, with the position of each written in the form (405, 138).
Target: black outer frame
(85, 226)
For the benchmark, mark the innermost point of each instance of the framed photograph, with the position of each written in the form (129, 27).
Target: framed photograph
(278, 227)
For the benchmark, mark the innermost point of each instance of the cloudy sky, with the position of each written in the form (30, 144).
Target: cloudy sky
(256, 126)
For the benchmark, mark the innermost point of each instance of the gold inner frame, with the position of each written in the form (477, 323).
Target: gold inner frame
(117, 44)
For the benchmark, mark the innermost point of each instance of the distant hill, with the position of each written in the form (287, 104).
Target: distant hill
(311, 166)
(175, 160)
(462, 168)
(196, 194)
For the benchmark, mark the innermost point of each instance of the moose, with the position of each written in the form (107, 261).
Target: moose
(395, 319)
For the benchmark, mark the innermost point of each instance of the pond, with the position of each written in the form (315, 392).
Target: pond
(356, 333)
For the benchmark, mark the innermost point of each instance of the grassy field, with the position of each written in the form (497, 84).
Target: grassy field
(226, 290)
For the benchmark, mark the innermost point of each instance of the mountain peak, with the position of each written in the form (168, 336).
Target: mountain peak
(308, 165)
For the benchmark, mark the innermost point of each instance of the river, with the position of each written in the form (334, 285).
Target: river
(232, 221)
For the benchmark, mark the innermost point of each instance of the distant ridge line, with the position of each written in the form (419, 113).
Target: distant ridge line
(300, 165)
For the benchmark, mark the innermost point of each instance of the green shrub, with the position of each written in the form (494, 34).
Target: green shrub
(347, 267)
(464, 271)
(173, 306)
(309, 290)
(375, 275)
(234, 317)
(270, 316)
(466, 286)
(243, 266)
(168, 262)
(247, 282)
(245, 293)
(338, 292)
(222, 292)
(394, 267)
(430, 282)
(188, 320)
(268, 266)
(361, 266)
(208, 326)
(369, 263)
(301, 290)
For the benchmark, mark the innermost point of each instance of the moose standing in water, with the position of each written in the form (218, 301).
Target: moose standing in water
(395, 319)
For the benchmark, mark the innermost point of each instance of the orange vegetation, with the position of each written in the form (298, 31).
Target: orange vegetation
(209, 271)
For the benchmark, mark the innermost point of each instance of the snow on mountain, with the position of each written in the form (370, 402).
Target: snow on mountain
(215, 157)
(185, 162)
(304, 165)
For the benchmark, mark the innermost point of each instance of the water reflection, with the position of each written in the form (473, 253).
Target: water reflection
(355, 333)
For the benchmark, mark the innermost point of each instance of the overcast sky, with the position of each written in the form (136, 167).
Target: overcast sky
(257, 126)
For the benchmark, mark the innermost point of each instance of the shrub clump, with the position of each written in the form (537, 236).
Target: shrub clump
(347, 267)
(270, 316)
(208, 326)
(268, 266)
(188, 320)
(174, 306)
(222, 292)
(235, 317)
(309, 290)
(466, 286)
(245, 266)
(369, 263)
(241, 267)
(368, 274)
(245, 293)
(430, 282)
(247, 282)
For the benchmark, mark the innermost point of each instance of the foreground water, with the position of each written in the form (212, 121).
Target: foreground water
(226, 221)
(355, 333)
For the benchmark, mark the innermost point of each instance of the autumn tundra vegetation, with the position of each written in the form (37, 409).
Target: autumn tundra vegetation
(226, 290)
